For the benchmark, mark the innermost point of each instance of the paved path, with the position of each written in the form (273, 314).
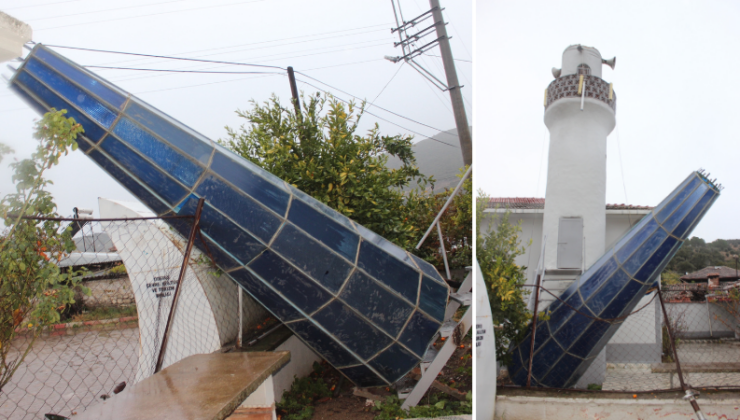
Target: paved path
(638, 377)
(65, 374)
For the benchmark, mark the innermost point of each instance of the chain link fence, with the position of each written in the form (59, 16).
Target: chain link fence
(112, 336)
(649, 352)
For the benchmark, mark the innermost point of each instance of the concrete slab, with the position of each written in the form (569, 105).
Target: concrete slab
(540, 406)
(203, 386)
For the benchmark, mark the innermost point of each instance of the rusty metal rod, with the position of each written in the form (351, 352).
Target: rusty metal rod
(180, 279)
(534, 331)
(689, 394)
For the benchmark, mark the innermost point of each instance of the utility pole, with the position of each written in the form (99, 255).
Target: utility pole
(294, 91)
(458, 107)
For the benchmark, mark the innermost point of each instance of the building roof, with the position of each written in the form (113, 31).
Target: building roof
(539, 203)
(725, 273)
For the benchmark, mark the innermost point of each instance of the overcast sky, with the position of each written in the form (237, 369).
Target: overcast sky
(678, 97)
(341, 43)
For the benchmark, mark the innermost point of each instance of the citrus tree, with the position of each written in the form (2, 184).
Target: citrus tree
(320, 152)
(496, 250)
(33, 289)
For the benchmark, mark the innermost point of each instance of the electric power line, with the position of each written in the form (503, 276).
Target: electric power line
(376, 106)
(151, 14)
(39, 5)
(105, 10)
(377, 116)
(302, 40)
(386, 85)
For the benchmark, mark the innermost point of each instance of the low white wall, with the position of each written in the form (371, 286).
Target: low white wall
(700, 320)
(301, 363)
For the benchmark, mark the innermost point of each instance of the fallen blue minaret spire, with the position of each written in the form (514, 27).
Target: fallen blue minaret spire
(368, 307)
(568, 342)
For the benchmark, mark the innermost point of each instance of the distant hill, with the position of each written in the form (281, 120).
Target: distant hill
(696, 254)
(437, 159)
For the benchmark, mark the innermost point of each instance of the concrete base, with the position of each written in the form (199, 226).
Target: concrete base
(301, 363)
(595, 374)
(724, 406)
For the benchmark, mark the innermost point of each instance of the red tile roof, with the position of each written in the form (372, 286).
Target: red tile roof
(539, 203)
(725, 274)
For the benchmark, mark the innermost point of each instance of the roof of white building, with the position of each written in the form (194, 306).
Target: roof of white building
(539, 203)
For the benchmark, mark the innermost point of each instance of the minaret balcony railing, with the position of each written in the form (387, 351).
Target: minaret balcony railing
(567, 87)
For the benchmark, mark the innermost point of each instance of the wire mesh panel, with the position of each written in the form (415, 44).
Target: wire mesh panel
(111, 337)
(700, 333)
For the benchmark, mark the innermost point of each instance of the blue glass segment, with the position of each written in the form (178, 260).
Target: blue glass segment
(305, 294)
(173, 132)
(351, 330)
(381, 306)
(591, 336)
(171, 161)
(416, 335)
(147, 173)
(644, 252)
(604, 296)
(598, 278)
(544, 359)
(649, 271)
(686, 226)
(620, 303)
(362, 375)
(392, 272)
(74, 95)
(324, 266)
(572, 330)
(332, 351)
(52, 100)
(326, 230)
(251, 183)
(394, 362)
(246, 212)
(27, 98)
(635, 238)
(348, 293)
(80, 76)
(222, 230)
(560, 373)
(563, 313)
(264, 295)
(433, 298)
(675, 200)
(130, 183)
(680, 213)
(323, 208)
(427, 269)
(611, 288)
(220, 257)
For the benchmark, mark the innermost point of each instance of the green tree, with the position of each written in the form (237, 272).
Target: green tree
(496, 250)
(319, 152)
(456, 223)
(33, 290)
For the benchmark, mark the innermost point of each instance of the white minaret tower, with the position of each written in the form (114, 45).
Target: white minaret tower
(579, 113)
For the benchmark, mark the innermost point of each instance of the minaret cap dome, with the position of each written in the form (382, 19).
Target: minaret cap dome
(576, 55)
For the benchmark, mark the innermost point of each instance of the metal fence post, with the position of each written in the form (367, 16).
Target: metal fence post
(689, 393)
(181, 277)
(534, 330)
